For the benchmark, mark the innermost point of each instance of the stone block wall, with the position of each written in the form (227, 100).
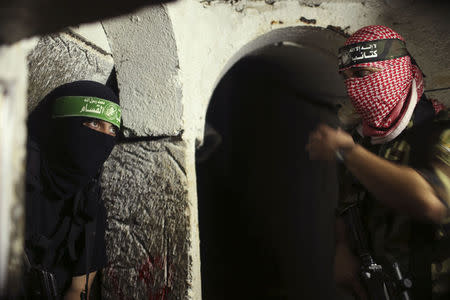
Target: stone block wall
(146, 200)
(65, 57)
(144, 181)
(168, 60)
(146, 62)
(215, 34)
(26, 18)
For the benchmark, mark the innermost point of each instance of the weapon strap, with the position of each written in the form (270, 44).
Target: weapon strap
(420, 259)
(89, 230)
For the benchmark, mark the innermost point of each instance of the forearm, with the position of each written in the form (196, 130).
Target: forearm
(72, 294)
(397, 187)
(78, 285)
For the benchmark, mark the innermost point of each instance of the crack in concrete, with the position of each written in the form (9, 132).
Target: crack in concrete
(97, 67)
(172, 156)
(66, 45)
(147, 209)
(142, 157)
(128, 136)
(340, 30)
(85, 51)
(80, 39)
(52, 38)
(141, 243)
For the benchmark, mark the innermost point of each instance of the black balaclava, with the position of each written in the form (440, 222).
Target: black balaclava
(73, 153)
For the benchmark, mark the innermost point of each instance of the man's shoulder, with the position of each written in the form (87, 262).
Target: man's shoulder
(443, 117)
(421, 137)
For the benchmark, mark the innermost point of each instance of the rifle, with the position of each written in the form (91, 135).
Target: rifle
(41, 284)
(379, 284)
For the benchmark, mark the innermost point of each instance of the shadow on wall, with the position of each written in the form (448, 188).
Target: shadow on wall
(26, 18)
(265, 210)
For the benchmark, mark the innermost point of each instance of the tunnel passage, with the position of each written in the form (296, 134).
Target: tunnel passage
(265, 210)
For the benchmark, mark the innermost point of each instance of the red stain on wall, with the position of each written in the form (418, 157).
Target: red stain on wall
(154, 267)
(156, 273)
(113, 277)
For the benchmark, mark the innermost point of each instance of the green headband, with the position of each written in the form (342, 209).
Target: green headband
(85, 106)
(371, 51)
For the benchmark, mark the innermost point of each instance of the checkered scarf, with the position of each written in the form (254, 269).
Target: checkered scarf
(380, 98)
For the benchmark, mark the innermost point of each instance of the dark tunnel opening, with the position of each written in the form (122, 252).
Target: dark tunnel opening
(266, 212)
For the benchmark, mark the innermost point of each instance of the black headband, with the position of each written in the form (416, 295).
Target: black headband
(371, 51)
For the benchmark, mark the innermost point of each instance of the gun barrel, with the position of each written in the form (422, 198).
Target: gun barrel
(353, 219)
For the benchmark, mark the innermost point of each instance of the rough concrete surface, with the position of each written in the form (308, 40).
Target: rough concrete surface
(13, 87)
(145, 196)
(426, 28)
(146, 59)
(169, 60)
(66, 57)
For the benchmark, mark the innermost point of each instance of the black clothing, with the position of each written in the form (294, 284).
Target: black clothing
(73, 152)
(55, 231)
(64, 161)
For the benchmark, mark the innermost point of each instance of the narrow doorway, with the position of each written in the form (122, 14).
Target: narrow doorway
(265, 210)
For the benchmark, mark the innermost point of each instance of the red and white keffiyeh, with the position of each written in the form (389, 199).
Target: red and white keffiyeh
(382, 98)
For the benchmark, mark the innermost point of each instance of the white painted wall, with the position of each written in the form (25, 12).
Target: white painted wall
(13, 89)
(211, 36)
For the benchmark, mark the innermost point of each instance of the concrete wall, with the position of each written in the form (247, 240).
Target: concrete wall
(146, 61)
(168, 61)
(13, 88)
(147, 235)
(79, 53)
(146, 183)
(145, 186)
(227, 30)
(25, 18)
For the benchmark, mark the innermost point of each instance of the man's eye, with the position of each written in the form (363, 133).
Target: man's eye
(112, 130)
(345, 74)
(362, 73)
(94, 123)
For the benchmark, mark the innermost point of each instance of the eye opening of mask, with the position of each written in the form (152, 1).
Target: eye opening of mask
(101, 126)
(358, 72)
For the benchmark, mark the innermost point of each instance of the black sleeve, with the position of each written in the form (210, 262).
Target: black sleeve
(98, 258)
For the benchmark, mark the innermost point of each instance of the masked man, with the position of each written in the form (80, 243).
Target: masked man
(395, 170)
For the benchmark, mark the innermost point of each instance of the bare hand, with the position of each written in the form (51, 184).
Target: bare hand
(324, 141)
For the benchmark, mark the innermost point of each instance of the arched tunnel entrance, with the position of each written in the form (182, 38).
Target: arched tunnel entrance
(266, 212)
